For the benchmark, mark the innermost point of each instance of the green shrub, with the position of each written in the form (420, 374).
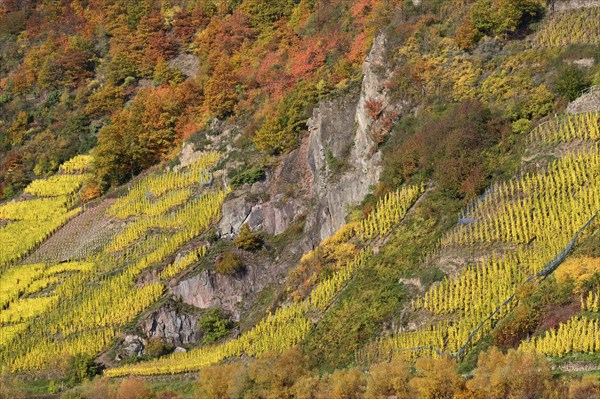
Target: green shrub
(81, 367)
(229, 264)
(570, 82)
(214, 326)
(504, 16)
(53, 387)
(248, 176)
(521, 126)
(248, 240)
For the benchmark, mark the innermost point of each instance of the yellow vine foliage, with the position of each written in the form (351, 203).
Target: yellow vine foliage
(289, 324)
(77, 164)
(580, 334)
(579, 26)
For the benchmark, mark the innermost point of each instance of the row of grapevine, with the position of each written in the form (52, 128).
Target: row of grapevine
(146, 206)
(113, 303)
(538, 215)
(469, 304)
(537, 206)
(20, 237)
(108, 295)
(590, 302)
(578, 26)
(77, 164)
(49, 353)
(581, 164)
(56, 185)
(580, 334)
(324, 293)
(34, 220)
(35, 209)
(278, 331)
(182, 263)
(26, 308)
(584, 126)
(479, 288)
(157, 185)
(198, 213)
(389, 211)
(29, 279)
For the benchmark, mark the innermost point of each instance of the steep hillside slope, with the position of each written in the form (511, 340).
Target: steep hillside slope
(339, 186)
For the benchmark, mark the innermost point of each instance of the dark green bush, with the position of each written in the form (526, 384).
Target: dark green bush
(81, 367)
(570, 82)
(248, 176)
(214, 326)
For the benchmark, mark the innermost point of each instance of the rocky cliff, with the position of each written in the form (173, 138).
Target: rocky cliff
(334, 168)
(341, 143)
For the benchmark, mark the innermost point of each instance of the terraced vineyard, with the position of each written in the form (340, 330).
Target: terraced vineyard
(579, 26)
(31, 221)
(537, 217)
(289, 324)
(564, 128)
(79, 308)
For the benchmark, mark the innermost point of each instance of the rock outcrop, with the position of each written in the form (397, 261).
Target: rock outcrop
(588, 102)
(131, 346)
(188, 64)
(341, 131)
(210, 289)
(171, 326)
(335, 166)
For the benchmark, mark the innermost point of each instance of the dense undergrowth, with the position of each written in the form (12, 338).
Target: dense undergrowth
(479, 82)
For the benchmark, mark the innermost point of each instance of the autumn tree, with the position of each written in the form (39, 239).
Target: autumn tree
(516, 375)
(139, 136)
(280, 131)
(586, 388)
(346, 384)
(219, 381)
(220, 94)
(389, 379)
(265, 12)
(134, 388)
(436, 378)
(272, 376)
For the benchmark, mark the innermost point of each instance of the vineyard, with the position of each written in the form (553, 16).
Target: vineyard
(289, 324)
(53, 311)
(565, 128)
(580, 334)
(537, 216)
(579, 26)
(31, 221)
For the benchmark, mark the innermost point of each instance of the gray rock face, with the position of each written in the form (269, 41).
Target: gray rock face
(347, 126)
(172, 327)
(132, 345)
(589, 102)
(303, 183)
(209, 289)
